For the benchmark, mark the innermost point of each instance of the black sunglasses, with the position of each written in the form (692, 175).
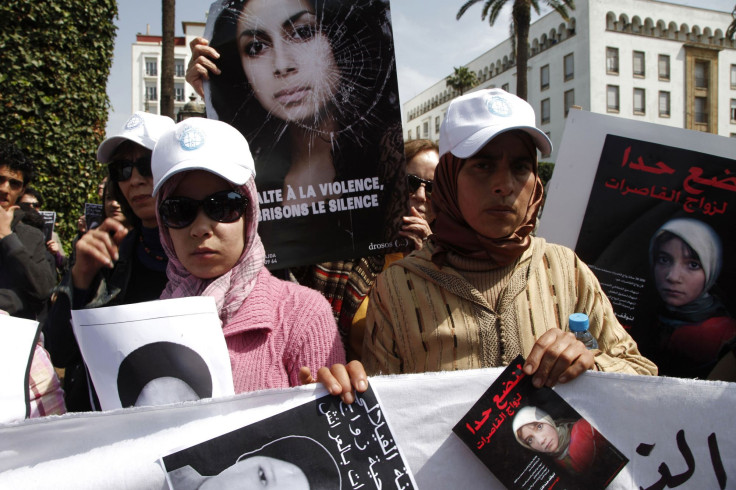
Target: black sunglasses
(122, 170)
(223, 206)
(416, 182)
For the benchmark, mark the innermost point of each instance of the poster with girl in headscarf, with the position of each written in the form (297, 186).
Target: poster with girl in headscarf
(312, 86)
(532, 439)
(650, 209)
(322, 444)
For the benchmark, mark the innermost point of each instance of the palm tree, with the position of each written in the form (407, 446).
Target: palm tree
(462, 79)
(732, 28)
(521, 18)
(168, 8)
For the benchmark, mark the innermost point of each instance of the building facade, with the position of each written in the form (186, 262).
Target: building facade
(639, 59)
(146, 70)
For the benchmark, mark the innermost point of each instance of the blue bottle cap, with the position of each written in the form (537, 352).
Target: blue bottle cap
(578, 322)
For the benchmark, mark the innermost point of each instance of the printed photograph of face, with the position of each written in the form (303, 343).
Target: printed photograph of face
(160, 373)
(311, 84)
(287, 463)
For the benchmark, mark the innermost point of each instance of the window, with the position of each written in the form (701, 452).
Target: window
(733, 109)
(569, 100)
(179, 92)
(151, 67)
(733, 76)
(639, 64)
(664, 104)
(701, 74)
(437, 124)
(569, 68)
(545, 111)
(544, 77)
(612, 100)
(701, 110)
(505, 87)
(425, 127)
(664, 67)
(612, 61)
(410, 134)
(419, 135)
(151, 92)
(639, 101)
(179, 70)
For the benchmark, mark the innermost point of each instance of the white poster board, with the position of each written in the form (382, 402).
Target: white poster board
(154, 352)
(16, 353)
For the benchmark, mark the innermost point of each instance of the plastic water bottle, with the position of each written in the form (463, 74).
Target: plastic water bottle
(579, 326)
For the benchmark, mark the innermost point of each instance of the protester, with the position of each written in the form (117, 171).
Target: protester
(26, 276)
(111, 205)
(112, 265)
(32, 198)
(422, 158)
(310, 86)
(483, 290)
(207, 207)
(693, 323)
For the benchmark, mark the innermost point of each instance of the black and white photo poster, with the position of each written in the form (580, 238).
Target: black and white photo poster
(154, 353)
(321, 445)
(312, 86)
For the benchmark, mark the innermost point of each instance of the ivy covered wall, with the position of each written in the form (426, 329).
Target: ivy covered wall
(55, 57)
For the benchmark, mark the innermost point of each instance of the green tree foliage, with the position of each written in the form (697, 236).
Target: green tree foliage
(521, 17)
(731, 31)
(545, 171)
(56, 57)
(462, 79)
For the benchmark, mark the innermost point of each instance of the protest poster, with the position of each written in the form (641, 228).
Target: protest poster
(49, 219)
(530, 438)
(629, 184)
(16, 354)
(321, 444)
(94, 214)
(314, 91)
(155, 352)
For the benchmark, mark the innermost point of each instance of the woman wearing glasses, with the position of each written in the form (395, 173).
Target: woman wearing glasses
(112, 265)
(422, 157)
(208, 210)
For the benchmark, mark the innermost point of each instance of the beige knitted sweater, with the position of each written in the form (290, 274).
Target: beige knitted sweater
(424, 318)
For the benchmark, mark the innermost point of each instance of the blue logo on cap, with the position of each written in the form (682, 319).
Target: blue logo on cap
(191, 139)
(498, 106)
(134, 121)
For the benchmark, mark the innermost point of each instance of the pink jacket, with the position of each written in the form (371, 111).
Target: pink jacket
(279, 328)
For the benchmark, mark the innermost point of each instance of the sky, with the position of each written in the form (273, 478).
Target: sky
(429, 41)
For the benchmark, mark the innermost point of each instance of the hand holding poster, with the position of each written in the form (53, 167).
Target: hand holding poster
(312, 86)
(654, 229)
(530, 438)
(323, 444)
(49, 219)
(155, 352)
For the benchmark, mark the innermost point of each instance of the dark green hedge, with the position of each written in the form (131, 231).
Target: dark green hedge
(55, 58)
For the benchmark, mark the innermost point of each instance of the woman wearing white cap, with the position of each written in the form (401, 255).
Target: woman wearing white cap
(483, 290)
(207, 207)
(112, 265)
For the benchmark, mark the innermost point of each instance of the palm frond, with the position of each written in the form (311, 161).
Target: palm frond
(465, 7)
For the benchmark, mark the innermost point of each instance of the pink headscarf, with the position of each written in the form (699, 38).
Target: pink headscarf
(231, 288)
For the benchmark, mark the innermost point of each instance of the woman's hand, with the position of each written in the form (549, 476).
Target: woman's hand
(201, 64)
(557, 356)
(340, 379)
(96, 249)
(52, 247)
(415, 228)
(82, 225)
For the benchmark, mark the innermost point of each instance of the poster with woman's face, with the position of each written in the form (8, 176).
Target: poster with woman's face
(311, 84)
(323, 444)
(154, 353)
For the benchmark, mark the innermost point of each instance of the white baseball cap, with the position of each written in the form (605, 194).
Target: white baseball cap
(474, 119)
(202, 144)
(143, 128)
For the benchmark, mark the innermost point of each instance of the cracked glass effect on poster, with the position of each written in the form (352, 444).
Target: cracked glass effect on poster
(312, 86)
(656, 230)
(322, 444)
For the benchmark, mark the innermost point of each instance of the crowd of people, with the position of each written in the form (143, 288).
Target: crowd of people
(181, 219)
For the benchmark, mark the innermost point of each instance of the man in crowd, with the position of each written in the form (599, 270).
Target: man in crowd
(26, 276)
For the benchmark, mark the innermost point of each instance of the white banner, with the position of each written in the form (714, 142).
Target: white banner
(674, 432)
(16, 352)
